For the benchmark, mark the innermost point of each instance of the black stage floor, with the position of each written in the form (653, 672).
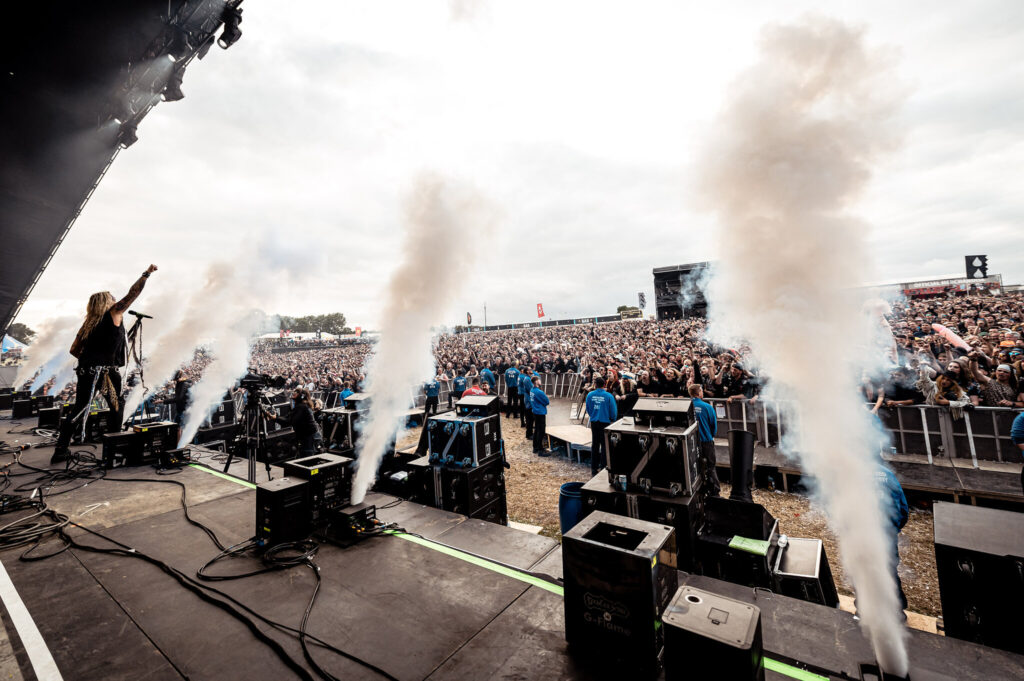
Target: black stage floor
(418, 608)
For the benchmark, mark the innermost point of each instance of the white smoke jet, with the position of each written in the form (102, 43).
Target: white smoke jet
(231, 350)
(792, 148)
(442, 218)
(49, 354)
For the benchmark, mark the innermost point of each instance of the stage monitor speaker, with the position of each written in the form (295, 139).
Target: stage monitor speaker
(619, 576)
(478, 405)
(49, 417)
(708, 636)
(123, 449)
(21, 409)
(663, 412)
(979, 556)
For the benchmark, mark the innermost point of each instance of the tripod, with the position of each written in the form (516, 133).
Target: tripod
(254, 433)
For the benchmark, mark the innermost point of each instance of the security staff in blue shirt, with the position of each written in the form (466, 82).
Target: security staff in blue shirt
(458, 387)
(1017, 436)
(512, 401)
(894, 505)
(526, 413)
(432, 389)
(487, 378)
(539, 402)
(346, 391)
(707, 428)
(602, 411)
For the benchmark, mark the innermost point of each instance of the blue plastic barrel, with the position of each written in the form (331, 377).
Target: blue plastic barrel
(570, 505)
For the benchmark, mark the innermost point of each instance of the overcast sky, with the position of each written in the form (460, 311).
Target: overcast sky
(578, 120)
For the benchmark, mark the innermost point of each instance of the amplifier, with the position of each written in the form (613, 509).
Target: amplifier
(49, 417)
(598, 495)
(330, 481)
(282, 511)
(357, 402)
(463, 441)
(708, 636)
(95, 424)
(619, 576)
(685, 514)
(663, 412)
(466, 490)
(349, 523)
(495, 512)
(279, 446)
(645, 459)
(801, 571)
(123, 450)
(478, 405)
(21, 409)
(220, 433)
(979, 556)
(158, 437)
(35, 403)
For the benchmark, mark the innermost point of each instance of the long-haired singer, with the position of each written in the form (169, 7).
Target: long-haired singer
(101, 348)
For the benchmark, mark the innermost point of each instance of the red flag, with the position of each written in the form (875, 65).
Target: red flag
(359, 331)
(540, 310)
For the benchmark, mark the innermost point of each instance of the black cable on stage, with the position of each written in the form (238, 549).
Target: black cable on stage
(184, 505)
(190, 584)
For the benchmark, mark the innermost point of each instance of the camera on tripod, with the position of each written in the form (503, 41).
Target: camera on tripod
(254, 382)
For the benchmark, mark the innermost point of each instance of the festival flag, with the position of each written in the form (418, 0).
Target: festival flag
(359, 331)
(540, 310)
(469, 319)
(643, 300)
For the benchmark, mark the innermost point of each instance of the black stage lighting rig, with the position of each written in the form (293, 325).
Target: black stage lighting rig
(708, 636)
(232, 17)
(619, 576)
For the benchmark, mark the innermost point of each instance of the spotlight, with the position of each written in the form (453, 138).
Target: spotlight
(232, 17)
(172, 92)
(127, 136)
(179, 46)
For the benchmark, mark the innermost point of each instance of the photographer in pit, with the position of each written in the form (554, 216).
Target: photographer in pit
(302, 421)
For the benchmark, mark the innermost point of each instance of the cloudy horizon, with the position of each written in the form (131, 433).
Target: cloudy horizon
(578, 121)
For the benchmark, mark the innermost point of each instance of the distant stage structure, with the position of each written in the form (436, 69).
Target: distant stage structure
(679, 291)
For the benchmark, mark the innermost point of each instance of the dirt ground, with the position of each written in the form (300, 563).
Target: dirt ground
(533, 486)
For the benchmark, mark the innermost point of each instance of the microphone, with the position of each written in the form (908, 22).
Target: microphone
(140, 315)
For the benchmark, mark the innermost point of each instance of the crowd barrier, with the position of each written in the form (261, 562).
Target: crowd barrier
(980, 434)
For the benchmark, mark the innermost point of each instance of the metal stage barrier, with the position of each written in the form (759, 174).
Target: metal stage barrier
(981, 434)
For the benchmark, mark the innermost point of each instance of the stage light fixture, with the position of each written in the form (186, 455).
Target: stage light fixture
(172, 92)
(205, 47)
(232, 17)
(179, 46)
(127, 135)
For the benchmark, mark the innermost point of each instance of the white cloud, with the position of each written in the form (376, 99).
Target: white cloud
(578, 119)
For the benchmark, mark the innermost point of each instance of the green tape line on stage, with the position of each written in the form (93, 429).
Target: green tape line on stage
(790, 671)
(243, 483)
(484, 563)
(768, 663)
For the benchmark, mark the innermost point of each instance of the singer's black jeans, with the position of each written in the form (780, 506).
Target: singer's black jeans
(82, 391)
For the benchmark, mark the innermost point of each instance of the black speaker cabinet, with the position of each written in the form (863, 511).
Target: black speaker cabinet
(979, 554)
(21, 409)
(282, 511)
(645, 459)
(619, 576)
(463, 441)
(467, 490)
(685, 514)
(598, 495)
(708, 636)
